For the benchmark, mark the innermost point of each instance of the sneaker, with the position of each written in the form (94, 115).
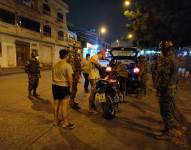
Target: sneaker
(163, 136)
(93, 112)
(55, 123)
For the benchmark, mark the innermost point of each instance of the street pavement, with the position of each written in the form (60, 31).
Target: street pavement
(27, 124)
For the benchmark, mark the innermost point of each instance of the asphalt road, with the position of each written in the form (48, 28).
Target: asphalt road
(27, 124)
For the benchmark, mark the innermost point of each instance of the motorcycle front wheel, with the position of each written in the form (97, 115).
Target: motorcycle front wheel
(108, 108)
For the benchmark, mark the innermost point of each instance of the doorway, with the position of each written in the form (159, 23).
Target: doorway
(22, 53)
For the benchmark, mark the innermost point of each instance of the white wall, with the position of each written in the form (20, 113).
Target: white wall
(56, 57)
(8, 58)
(48, 53)
(45, 54)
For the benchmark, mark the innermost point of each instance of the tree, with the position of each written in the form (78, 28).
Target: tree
(156, 20)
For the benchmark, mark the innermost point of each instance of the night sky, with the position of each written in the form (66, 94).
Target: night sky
(94, 13)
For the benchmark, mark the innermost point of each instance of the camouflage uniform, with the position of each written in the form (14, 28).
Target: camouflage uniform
(144, 67)
(32, 68)
(154, 70)
(167, 85)
(75, 61)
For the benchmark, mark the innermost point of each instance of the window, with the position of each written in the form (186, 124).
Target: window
(60, 17)
(0, 50)
(29, 24)
(47, 30)
(46, 9)
(7, 16)
(60, 35)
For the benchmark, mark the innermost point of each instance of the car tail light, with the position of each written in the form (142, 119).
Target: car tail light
(136, 70)
(108, 69)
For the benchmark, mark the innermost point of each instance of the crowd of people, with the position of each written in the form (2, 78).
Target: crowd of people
(65, 78)
(66, 74)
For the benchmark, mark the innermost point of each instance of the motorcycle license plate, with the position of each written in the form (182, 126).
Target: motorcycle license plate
(100, 97)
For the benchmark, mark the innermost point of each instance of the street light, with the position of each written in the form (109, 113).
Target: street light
(130, 36)
(101, 35)
(103, 30)
(117, 41)
(127, 3)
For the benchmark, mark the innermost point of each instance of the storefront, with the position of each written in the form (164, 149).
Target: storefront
(90, 49)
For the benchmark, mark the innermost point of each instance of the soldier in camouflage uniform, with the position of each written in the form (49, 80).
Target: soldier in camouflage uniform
(166, 82)
(154, 69)
(144, 67)
(32, 68)
(75, 61)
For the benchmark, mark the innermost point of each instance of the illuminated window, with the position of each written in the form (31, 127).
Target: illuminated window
(47, 30)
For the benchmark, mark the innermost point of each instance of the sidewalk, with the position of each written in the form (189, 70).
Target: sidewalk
(11, 71)
(27, 124)
(7, 71)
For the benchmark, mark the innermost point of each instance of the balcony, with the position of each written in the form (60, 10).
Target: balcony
(46, 12)
(60, 20)
(61, 38)
(47, 34)
(7, 28)
(62, 4)
(30, 4)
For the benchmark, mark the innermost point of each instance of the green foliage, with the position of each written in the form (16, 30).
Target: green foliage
(156, 20)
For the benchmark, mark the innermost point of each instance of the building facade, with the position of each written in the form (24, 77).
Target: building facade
(33, 25)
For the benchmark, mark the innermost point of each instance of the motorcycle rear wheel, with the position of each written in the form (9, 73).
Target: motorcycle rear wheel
(108, 108)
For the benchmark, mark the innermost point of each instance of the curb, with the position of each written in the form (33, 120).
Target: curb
(16, 72)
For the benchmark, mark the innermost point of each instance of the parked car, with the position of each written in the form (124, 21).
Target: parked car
(127, 57)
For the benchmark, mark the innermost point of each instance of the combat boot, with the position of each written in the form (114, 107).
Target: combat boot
(29, 94)
(163, 135)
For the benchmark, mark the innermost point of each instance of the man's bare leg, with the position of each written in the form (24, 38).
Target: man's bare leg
(56, 111)
(64, 110)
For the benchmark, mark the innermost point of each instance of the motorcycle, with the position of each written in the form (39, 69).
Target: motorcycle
(108, 94)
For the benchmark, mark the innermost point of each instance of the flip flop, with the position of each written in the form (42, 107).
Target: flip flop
(93, 112)
(55, 123)
(69, 126)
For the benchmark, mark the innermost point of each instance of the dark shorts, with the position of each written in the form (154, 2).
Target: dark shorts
(60, 92)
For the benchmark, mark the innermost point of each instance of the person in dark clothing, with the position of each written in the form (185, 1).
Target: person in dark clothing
(75, 61)
(85, 70)
(166, 84)
(32, 68)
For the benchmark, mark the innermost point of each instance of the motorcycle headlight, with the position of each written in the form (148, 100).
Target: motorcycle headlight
(136, 70)
(108, 69)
